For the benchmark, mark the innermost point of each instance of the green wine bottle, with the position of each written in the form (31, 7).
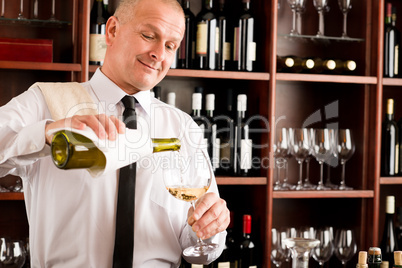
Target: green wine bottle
(374, 259)
(71, 150)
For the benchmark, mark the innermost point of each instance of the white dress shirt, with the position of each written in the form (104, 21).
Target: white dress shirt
(71, 214)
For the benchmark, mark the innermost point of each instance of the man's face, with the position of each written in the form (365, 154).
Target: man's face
(141, 51)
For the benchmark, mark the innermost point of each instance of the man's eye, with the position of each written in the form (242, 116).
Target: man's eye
(147, 36)
(170, 47)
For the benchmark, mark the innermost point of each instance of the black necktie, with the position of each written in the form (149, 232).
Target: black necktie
(124, 241)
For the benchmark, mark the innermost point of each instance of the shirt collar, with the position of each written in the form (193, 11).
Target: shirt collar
(110, 94)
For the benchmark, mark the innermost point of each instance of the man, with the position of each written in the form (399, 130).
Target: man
(71, 214)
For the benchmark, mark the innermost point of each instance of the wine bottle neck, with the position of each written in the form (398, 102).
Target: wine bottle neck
(210, 113)
(186, 4)
(241, 114)
(162, 145)
(208, 4)
(196, 112)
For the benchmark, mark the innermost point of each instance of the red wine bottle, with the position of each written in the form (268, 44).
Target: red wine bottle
(244, 51)
(97, 39)
(389, 243)
(225, 38)
(391, 44)
(247, 247)
(389, 143)
(198, 117)
(186, 51)
(206, 37)
(242, 141)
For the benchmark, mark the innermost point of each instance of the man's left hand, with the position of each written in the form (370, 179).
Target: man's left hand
(211, 216)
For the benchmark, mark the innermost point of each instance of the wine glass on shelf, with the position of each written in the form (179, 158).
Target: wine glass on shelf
(321, 6)
(307, 184)
(345, 245)
(323, 252)
(283, 153)
(300, 148)
(288, 232)
(292, 4)
(277, 254)
(345, 148)
(12, 253)
(53, 15)
(300, 8)
(345, 6)
(21, 12)
(333, 161)
(187, 177)
(322, 150)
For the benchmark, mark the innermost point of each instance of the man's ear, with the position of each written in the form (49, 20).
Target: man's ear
(112, 28)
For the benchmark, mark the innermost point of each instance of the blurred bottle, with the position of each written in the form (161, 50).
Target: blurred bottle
(389, 143)
(225, 33)
(398, 259)
(389, 243)
(374, 258)
(391, 43)
(294, 64)
(186, 51)
(97, 38)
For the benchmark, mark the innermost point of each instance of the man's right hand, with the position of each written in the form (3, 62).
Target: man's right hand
(105, 127)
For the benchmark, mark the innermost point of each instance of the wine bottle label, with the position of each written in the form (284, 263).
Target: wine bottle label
(236, 44)
(251, 51)
(196, 265)
(224, 264)
(97, 47)
(202, 43)
(245, 154)
(216, 39)
(226, 51)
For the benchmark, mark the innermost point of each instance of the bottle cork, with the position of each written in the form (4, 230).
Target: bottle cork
(362, 261)
(384, 264)
(398, 257)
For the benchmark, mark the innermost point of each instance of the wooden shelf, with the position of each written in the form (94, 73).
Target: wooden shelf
(42, 66)
(218, 74)
(324, 194)
(241, 180)
(391, 180)
(11, 196)
(392, 81)
(350, 79)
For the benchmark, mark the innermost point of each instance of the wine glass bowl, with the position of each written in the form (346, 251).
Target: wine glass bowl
(282, 155)
(323, 252)
(187, 176)
(345, 148)
(345, 6)
(300, 149)
(322, 151)
(345, 245)
(300, 8)
(277, 253)
(12, 253)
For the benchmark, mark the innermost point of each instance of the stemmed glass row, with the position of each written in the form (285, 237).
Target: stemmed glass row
(35, 4)
(325, 145)
(343, 245)
(298, 7)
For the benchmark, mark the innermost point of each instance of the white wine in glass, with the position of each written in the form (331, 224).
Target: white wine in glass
(187, 177)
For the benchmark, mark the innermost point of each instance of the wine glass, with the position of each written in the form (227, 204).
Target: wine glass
(321, 6)
(323, 252)
(345, 245)
(20, 14)
(333, 161)
(345, 148)
(283, 153)
(307, 184)
(322, 150)
(290, 232)
(12, 253)
(187, 177)
(300, 148)
(292, 4)
(300, 8)
(277, 254)
(53, 16)
(345, 6)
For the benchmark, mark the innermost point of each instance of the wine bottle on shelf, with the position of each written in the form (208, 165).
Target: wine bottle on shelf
(225, 133)
(248, 251)
(242, 141)
(398, 259)
(97, 39)
(389, 143)
(244, 47)
(106, 7)
(389, 243)
(157, 91)
(72, 150)
(198, 117)
(362, 260)
(171, 99)
(213, 140)
(385, 264)
(399, 226)
(186, 51)
(391, 43)
(206, 37)
(294, 64)
(374, 258)
(225, 36)
(230, 254)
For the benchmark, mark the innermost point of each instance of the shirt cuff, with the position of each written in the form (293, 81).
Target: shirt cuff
(33, 139)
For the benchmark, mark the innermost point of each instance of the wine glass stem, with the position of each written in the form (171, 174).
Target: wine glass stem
(321, 173)
(321, 22)
(53, 8)
(345, 15)
(199, 240)
(307, 171)
(300, 172)
(294, 21)
(21, 8)
(343, 173)
(2, 8)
